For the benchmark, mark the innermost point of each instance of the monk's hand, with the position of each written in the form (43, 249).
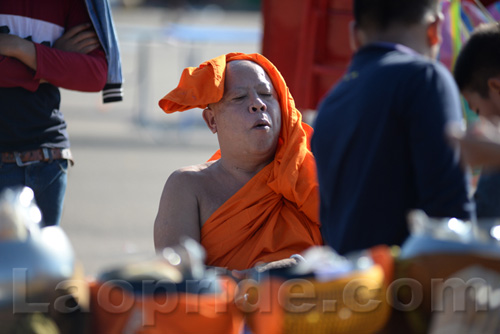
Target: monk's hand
(280, 264)
(80, 39)
(260, 268)
(242, 274)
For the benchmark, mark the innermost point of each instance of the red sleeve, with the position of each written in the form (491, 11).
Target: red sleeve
(69, 70)
(16, 74)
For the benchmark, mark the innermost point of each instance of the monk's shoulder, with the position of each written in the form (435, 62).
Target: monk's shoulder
(191, 177)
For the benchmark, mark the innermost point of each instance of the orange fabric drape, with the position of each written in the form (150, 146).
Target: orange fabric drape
(276, 214)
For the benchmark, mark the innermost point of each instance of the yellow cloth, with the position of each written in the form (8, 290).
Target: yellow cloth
(276, 214)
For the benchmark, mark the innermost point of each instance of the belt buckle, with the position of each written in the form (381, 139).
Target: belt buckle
(20, 163)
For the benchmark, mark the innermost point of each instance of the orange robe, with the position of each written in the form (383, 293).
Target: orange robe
(276, 214)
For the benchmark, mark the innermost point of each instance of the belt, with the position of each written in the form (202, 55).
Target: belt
(40, 155)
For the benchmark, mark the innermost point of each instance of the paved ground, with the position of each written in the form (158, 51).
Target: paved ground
(125, 151)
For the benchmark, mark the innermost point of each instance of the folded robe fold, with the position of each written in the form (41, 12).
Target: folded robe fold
(276, 214)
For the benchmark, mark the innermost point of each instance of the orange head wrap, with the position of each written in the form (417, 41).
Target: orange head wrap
(203, 85)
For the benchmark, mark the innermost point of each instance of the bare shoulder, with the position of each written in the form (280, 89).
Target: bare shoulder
(179, 212)
(184, 185)
(193, 176)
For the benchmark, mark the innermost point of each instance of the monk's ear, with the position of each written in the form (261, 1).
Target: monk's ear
(209, 117)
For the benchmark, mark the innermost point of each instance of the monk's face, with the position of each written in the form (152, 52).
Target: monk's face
(248, 117)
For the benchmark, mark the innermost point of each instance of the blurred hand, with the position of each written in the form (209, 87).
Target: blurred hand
(81, 39)
(279, 264)
(480, 144)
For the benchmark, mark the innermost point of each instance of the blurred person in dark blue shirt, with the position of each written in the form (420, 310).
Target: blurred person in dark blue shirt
(379, 137)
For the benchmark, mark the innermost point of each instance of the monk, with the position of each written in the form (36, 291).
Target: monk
(256, 200)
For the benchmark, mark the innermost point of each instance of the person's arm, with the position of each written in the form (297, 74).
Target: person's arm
(75, 62)
(480, 144)
(79, 39)
(16, 47)
(14, 72)
(76, 70)
(178, 213)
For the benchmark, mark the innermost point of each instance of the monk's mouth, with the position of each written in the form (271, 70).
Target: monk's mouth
(262, 125)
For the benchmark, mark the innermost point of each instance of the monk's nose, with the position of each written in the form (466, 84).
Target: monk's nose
(257, 106)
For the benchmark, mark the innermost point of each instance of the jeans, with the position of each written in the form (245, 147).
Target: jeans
(487, 195)
(46, 179)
